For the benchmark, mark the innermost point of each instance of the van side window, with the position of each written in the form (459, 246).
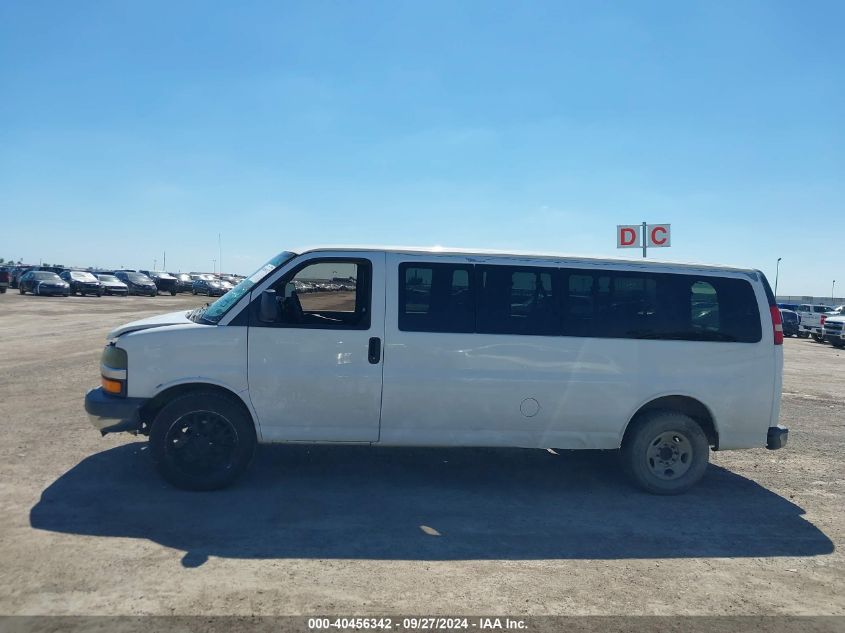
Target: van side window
(736, 306)
(326, 294)
(516, 300)
(621, 304)
(605, 304)
(436, 298)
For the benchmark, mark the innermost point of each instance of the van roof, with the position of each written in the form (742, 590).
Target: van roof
(562, 258)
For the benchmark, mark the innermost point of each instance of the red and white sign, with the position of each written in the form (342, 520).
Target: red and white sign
(628, 235)
(631, 235)
(659, 235)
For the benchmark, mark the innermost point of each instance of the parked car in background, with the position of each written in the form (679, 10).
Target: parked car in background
(164, 281)
(17, 272)
(790, 322)
(207, 284)
(5, 276)
(82, 282)
(811, 320)
(43, 282)
(833, 329)
(112, 285)
(789, 306)
(137, 283)
(184, 283)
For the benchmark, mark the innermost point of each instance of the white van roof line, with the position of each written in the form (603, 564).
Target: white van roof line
(481, 252)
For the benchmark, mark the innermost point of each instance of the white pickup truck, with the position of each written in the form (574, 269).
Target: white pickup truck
(811, 320)
(833, 326)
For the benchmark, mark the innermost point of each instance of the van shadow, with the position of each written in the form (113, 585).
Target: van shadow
(431, 504)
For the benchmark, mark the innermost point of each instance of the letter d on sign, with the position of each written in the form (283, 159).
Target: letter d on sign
(628, 235)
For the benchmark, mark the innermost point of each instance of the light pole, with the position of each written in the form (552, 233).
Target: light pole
(777, 272)
(832, 286)
(214, 265)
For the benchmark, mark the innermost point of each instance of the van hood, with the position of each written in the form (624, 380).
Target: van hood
(171, 318)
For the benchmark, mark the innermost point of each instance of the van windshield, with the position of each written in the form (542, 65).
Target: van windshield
(213, 313)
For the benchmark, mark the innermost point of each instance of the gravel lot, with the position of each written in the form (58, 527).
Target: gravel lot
(86, 527)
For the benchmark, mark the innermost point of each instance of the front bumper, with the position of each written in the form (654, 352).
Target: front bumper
(143, 290)
(112, 414)
(777, 437)
(88, 290)
(53, 290)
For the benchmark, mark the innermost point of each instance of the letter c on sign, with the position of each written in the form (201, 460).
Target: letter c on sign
(629, 236)
(654, 239)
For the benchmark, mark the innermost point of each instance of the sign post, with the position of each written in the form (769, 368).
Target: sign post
(645, 241)
(643, 236)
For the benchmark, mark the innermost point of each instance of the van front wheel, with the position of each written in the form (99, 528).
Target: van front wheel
(202, 441)
(665, 453)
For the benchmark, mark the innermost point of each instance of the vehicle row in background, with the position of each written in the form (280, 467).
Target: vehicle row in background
(56, 280)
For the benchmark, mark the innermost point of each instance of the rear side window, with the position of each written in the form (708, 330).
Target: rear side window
(619, 304)
(436, 298)
(517, 300)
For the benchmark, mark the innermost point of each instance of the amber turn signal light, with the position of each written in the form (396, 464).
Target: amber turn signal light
(112, 386)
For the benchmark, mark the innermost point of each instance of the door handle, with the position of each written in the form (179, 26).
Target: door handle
(374, 351)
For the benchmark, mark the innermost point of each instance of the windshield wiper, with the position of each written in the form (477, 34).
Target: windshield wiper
(196, 314)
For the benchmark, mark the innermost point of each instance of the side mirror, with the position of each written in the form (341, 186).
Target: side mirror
(268, 310)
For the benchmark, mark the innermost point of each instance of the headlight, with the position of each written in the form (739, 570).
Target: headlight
(113, 366)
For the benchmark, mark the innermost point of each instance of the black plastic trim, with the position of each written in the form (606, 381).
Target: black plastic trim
(777, 437)
(102, 405)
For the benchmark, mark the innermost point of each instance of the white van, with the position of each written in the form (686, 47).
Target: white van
(411, 347)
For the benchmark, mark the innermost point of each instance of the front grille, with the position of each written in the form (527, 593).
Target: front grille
(834, 327)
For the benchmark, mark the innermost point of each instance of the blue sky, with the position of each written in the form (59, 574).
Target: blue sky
(131, 128)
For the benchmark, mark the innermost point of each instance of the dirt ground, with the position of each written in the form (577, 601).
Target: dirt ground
(86, 527)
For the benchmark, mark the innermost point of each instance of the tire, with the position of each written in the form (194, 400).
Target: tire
(3, 290)
(817, 338)
(803, 335)
(193, 291)
(668, 435)
(190, 419)
(100, 293)
(21, 290)
(172, 293)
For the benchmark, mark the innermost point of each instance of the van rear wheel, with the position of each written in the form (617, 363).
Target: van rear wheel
(665, 453)
(202, 441)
